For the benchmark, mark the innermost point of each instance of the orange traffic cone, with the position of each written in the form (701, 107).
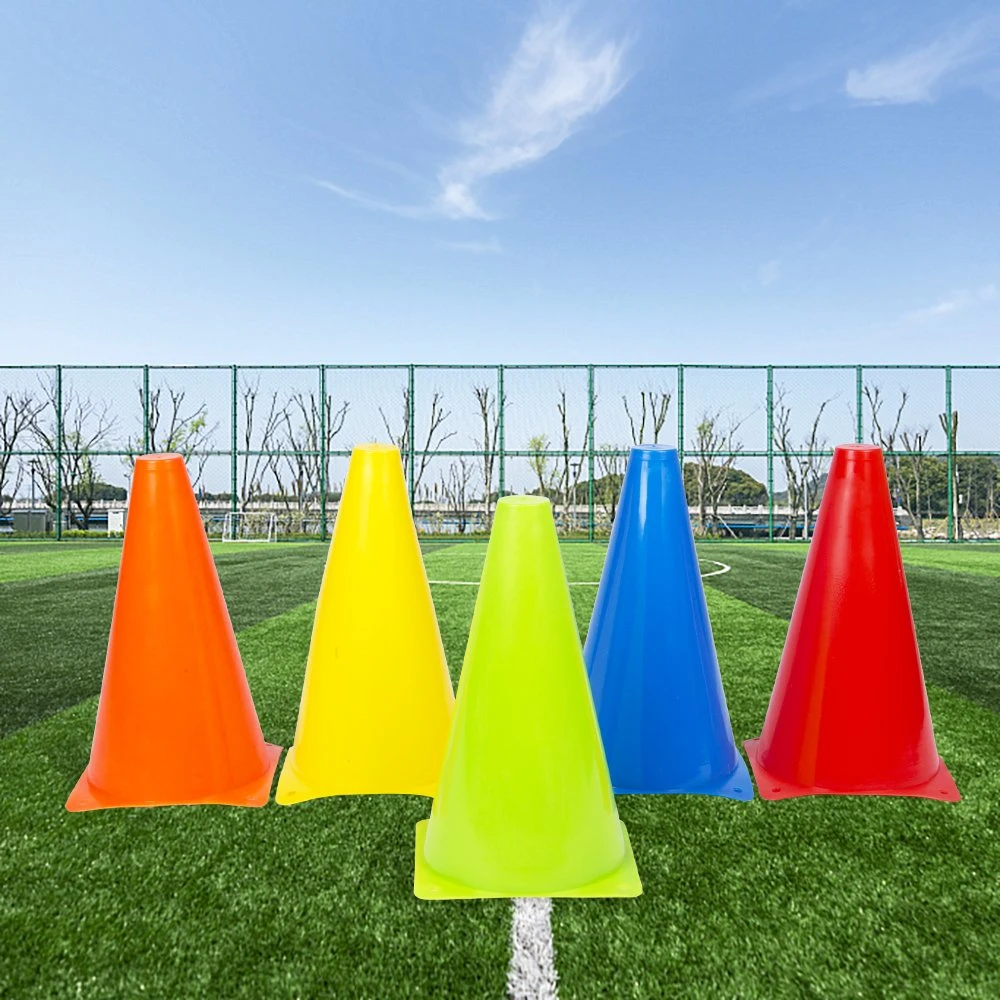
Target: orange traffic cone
(176, 723)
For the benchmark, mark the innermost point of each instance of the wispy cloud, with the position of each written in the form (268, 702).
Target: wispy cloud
(558, 77)
(769, 272)
(472, 246)
(957, 301)
(407, 211)
(919, 75)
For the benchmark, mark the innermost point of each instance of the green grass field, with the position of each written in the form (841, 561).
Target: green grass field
(816, 897)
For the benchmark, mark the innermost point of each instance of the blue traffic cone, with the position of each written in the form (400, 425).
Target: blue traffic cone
(650, 656)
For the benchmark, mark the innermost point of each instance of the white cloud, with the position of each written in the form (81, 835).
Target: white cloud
(918, 76)
(769, 272)
(556, 79)
(957, 301)
(473, 246)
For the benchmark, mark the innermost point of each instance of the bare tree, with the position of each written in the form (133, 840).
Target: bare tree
(653, 406)
(436, 435)
(455, 489)
(911, 475)
(490, 414)
(805, 465)
(172, 427)
(716, 450)
(611, 462)
(251, 483)
(540, 460)
(18, 412)
(568, 477)
(301, 448)
(84, 428)
(906, 472)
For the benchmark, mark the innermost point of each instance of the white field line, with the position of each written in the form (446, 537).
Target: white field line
(723, 568)
(532, 973)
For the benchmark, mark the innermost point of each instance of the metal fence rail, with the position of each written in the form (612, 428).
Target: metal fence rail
(755, 440)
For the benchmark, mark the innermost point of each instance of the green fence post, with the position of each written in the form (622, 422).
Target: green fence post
(590, 452)
(234, 471)
(145, 409)
(59, 452)
(770, 453)
(860, 390)
(500, 439)
(680, 421)
(411, 437)
(322, 452)
(949, 431)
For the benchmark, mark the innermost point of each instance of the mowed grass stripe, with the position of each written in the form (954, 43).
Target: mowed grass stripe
(35, 560)
(312, 900)
(813, 897)
(955, 611)
(54, 631)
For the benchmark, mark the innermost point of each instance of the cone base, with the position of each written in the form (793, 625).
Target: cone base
(293, 788)
(735, 785)
(941, 787)
(87, 796)
(431, 884)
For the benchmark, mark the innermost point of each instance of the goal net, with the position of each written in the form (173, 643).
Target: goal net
(250, 526)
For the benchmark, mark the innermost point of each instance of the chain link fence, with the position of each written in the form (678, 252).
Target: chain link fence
(267, 447)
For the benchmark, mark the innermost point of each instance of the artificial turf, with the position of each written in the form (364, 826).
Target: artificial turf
(53, 631)
(808, 897)
(954, 593)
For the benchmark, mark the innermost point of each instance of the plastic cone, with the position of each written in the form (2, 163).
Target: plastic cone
(377, 699)
(176, 723)
(849, 713)
(649, 652)
(525, 806)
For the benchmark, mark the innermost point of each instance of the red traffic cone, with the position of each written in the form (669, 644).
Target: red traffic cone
(849, 713)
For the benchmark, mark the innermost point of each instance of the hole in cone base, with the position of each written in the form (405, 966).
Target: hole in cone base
(928, 789)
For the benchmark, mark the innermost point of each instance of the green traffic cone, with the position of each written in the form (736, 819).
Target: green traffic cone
(524, 805)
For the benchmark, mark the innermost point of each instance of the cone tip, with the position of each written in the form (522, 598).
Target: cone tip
(159, 457)
(523, 500)
(860, 452)
(374, 448)
(648, 452)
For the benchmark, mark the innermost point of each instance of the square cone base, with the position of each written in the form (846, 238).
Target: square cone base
(941, 787)
(431, 884)
(736, 785)
(293, 788)
(87, 796)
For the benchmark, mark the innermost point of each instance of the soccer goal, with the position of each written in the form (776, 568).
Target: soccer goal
(250, 526)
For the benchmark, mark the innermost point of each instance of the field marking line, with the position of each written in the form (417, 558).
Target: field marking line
(532, 972)
(723, 568)
(716, 572)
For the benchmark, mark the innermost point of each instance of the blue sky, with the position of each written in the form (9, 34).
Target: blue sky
(810, 181)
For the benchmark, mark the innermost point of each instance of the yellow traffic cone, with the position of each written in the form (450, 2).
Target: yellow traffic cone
(525, 806)
(377, 699)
